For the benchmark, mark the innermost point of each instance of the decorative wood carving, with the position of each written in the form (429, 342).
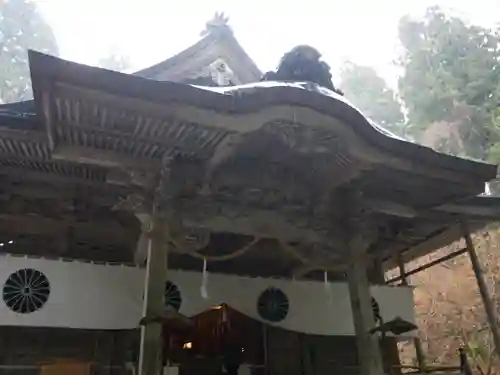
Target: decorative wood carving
(218, 24)
(301, 64)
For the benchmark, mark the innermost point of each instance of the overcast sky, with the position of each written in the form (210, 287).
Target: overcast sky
(148, 31)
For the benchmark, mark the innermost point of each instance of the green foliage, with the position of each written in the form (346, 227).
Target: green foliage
(480, 353)
(370, 93)
(494, 150)
(451, 75)
(21, 28)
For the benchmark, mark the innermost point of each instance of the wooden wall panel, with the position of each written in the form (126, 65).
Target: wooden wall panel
(24, 349)
(289, 353)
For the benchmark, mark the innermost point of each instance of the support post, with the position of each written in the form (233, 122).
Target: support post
(428, 265)
(402, 270)
(389, 345)
(379, 271)
(265, 344)
(483, 288)
(419, 352)
(150, 358)
(369, 354)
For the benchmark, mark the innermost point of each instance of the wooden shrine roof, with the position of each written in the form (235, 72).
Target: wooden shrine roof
(264, 159)
(218, 44)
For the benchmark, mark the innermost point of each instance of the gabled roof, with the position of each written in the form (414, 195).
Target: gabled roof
(218, 43)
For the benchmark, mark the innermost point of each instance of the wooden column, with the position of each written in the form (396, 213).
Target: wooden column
(388, 345)
(265, 344)
(419, 352)
(150, 358)
(369, 355)
(483, 288)
(379, 272)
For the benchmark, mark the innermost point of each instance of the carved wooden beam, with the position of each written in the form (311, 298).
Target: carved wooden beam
(39, 173)
(257, 223)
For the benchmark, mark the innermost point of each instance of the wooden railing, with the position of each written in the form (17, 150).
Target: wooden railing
(463, 369)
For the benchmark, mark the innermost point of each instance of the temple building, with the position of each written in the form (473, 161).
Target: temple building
(200, 216)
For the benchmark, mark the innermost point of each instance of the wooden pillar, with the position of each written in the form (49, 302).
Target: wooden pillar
(369, 355)
(483, 289)
(150, 358)
(265, 343)
(378, 271)
(300, 344)
(419, 352)
(388, 345)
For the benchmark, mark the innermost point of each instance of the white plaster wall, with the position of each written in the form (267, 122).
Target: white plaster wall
(94, 296)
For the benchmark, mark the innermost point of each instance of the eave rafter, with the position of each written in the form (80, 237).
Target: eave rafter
(27, 144)
(52, 170)
(84, 129)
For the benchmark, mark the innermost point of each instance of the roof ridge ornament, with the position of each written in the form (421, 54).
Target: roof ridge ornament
(218, 24)
(303, 63)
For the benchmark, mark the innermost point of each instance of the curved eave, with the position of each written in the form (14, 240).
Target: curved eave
(482, 209)
(176, 60)
(203, 47)
(19, 116)
(48, 70)
(19, 121)
(26, 106)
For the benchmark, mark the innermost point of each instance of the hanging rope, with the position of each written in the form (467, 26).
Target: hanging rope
(215, 258)
(293, 252)
(309, 265)
(315, 267)
(328, 288)
(204, 281)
